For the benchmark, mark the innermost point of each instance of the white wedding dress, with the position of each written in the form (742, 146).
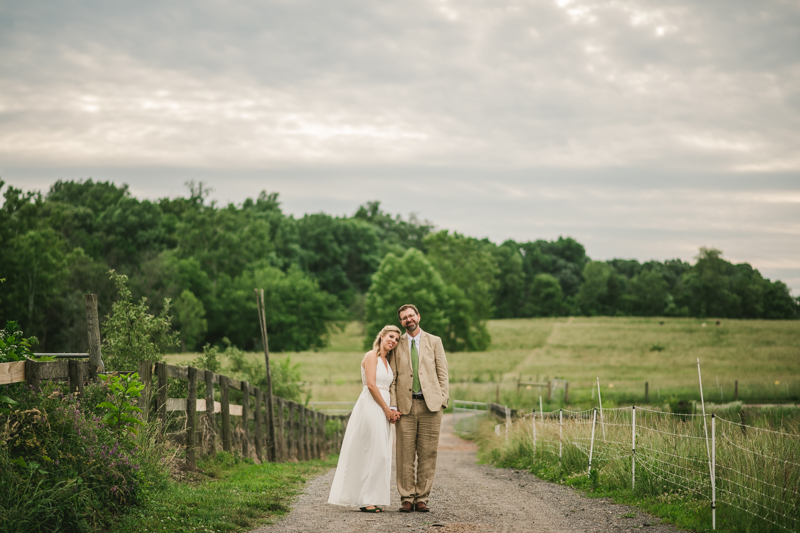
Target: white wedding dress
(365, 463)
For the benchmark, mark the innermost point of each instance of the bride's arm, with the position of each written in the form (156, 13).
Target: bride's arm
(370, 369)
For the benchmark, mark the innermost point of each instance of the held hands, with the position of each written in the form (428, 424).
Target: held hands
(392, 416)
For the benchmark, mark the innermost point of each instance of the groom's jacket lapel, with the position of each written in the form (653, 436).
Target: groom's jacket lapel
(406, 358)
(424, 347)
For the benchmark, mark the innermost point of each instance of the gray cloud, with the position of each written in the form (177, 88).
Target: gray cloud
(645, 130)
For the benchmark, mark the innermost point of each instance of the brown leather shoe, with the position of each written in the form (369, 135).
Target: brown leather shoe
(422, 507)
(407, 507)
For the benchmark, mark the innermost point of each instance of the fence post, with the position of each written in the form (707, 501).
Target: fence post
(705, 424)
(533, 425)
(315, 429)
(93, 330)
(633, 447)
(323, 440)
(191, 425)
(600, 401)
(161, 393)
(591, 443)
(259, 435)
(145, 376)
(301, 433)
(566, 392)
(245, 419)
(291, 441)
(75, 370)
(211, 421)
(226, 413)
(560, 431)
(262, 319)
(33, 374)
(541, 412)
(508, 422)
(280, 437)
(309, 434)
(713, 471)
(312, 435)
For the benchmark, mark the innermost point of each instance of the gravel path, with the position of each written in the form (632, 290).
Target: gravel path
(467, 496)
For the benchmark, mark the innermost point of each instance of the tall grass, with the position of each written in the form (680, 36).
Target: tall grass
(757, 469)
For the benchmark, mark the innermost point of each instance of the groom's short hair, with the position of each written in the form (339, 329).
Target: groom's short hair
(407, 306)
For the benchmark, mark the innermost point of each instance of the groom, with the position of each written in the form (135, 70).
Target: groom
(420, 391)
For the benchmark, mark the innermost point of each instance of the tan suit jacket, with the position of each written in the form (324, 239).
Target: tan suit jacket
(433, 376)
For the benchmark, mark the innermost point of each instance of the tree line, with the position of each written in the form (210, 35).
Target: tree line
(204, 259)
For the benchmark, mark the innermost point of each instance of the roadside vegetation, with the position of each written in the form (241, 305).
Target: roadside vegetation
(755, 491)
(87, 462)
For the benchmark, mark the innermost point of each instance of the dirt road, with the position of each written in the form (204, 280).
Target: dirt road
(467, 496)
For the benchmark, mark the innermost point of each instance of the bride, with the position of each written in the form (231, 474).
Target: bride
(363, 474)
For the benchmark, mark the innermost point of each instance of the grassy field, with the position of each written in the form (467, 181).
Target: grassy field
(764, 356)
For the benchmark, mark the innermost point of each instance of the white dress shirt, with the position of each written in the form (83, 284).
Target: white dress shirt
(416, 340)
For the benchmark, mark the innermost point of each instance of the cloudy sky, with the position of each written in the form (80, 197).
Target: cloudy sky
(643, 129)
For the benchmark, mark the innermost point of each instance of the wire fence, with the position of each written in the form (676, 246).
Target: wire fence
(751, 474)
(722, 463)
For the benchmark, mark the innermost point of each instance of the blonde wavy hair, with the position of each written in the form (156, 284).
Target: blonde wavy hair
(377, 344)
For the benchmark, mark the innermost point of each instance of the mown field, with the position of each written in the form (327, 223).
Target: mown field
(764, 356)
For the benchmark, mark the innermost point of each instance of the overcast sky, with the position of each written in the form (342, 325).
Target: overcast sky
(643, 129)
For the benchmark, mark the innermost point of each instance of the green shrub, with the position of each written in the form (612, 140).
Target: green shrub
(132, 334)
(63, 469)
(13, 346)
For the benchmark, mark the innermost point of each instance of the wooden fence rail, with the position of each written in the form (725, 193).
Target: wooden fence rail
(300, 433)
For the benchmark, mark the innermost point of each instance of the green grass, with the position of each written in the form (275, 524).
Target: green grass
(228, 495)
(623, 352)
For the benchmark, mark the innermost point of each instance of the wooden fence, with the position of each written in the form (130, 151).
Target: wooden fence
(300, 433)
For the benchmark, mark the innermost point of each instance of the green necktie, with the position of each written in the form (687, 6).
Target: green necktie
(415, 386)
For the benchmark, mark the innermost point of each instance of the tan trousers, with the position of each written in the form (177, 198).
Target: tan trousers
(417, 442)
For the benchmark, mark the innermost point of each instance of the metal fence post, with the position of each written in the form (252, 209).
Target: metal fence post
(591, 444)
(633, 447)
(713, 471)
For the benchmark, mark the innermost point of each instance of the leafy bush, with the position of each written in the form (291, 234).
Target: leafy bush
(131, 333)
(13, 346)
(62, 468)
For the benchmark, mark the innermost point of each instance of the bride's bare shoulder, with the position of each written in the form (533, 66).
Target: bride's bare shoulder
(369, 354)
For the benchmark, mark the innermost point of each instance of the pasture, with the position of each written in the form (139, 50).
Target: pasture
(624, 352)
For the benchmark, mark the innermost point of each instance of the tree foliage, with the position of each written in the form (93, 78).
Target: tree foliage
(131, 333)
(206, 258)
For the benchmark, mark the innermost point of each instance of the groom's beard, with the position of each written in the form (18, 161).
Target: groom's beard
(410, 326)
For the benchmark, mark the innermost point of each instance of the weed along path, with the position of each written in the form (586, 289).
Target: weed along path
(470, 497)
